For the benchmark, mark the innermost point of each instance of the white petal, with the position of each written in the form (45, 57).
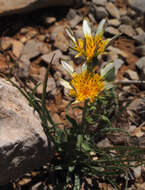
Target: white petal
(106, 68)
(65, 84)
(67, 67)
(70, 34)
(86, 28)
(108, 85)
(100, 29)
(84, 67)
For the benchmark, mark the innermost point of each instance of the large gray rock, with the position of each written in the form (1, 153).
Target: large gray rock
(137, 5)
(23, 144)
(15, 6)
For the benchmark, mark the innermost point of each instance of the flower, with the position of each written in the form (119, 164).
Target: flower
(92, 45)
(84, 85)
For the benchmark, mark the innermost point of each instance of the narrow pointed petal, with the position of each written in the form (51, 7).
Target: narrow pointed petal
(67, 67)
(84, 67)
(86, 28)
(100, 29)
(78, 55)
(65, 84)
(70, 34)
(108, 85)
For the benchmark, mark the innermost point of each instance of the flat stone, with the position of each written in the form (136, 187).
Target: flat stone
(127, 30)
(32, 49)
(47, 57)
(56, 30)
(98, 2)
(75, 21)
(137, 5)
(118, 64)
(140, 50)
(139, 31)
(113, 11)
(10, 43)
(136, 104)
(99, 12)
(131, 74)
(61, 42)
(137, 172)
(20, 6)
(48, 20)
(23, 143)
(140, 64)
(71, 14)
(113, 22)
(140, 39)
(24, 67)
(126, 20)
(17, 47)
(111, 31)
(51, 87)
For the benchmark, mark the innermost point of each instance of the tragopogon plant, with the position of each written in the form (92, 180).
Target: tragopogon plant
(78, 157)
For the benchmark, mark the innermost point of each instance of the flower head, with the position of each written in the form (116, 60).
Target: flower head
(83, 85)
(92, 45)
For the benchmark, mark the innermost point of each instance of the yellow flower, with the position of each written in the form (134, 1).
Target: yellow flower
(84, 85)
(92, 45)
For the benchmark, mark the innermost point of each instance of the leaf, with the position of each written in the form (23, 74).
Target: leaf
(76, 183)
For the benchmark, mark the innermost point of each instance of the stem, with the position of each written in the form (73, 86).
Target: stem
(83, 123)
(129, 82)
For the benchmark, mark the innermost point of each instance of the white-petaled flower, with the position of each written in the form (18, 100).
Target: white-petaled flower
(84, 85)
(92, 45)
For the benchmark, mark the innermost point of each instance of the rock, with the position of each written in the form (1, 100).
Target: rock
(56, 30)
(136, 105)
(47, 57)
(139, 31)
(48, 20)
(119, 52)
(24, 67)
(111, 31)
(71, 14)
(126, 20)
(113, 22)
(17, 47)
(23, 144)
(104, 143)
(113, 11)
(75, 21)
(137, 171)
(99, 12)
(140, 39)
(100, 3)
(131, 74)
(123, 11)
(8, 43)
(51, 87)
(61, 42)
(56, 61)
(140, 64)
(79, 32)
(140, 50)
(31, 49)
(20, 6)
(118, 64)
(127, 30)
(138, 5)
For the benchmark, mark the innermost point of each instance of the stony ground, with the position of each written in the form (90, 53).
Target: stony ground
(28, 42)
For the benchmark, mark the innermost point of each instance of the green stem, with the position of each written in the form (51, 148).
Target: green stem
(83, 123)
